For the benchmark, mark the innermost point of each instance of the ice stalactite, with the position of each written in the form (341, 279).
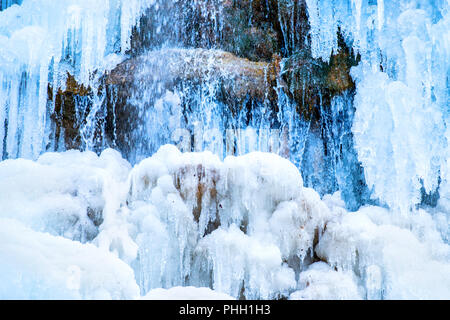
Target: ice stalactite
(402, 90)
(42, 41)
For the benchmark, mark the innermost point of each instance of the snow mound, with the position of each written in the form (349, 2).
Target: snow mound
(395, 257)
(321, 282)
(41, 266)
(65, 194)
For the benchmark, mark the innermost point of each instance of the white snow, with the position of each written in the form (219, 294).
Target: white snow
(36, 265)
(56, 193)
(320, 282)
(396, 257)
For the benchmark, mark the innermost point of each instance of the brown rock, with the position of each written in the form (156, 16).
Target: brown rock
(202, 190)
(67, 121)
(239, 76)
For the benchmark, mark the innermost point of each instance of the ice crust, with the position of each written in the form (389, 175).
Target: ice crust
(243, 227)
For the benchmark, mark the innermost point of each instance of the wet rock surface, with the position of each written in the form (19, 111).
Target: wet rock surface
(240, 45)
(241, 76)
(66, 115)
(249, 57)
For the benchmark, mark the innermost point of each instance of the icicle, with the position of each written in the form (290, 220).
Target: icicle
(72, 36)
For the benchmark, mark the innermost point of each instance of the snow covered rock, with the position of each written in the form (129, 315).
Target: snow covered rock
(195, 212)
(37, 265)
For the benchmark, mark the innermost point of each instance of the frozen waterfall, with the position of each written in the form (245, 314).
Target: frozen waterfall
(285, 149)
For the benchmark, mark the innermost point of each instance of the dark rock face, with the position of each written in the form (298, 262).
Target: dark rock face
(247, 28)
(251, 29)
(312, 83)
